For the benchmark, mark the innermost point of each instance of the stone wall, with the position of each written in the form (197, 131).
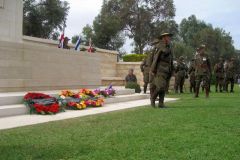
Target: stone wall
(108, 58)
(11, 15)
(33, 67)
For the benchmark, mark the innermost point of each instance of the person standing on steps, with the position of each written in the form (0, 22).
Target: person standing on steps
(202, 71)
(161, 69)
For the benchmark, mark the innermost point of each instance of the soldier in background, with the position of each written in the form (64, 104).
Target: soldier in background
(191, 73)
(145, 68)
(219, 74)
(230, 74)
(202, 71)
(180, 74)
(161, 68)
(131, 77)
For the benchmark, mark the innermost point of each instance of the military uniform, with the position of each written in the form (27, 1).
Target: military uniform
(161, 68)
(230, 75)
(219, 75)
(180, 75)
(192, 79)
(202, 72)
(131, 78)
(145, 68)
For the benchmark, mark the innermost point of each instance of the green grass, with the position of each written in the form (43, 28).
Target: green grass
(197, 129)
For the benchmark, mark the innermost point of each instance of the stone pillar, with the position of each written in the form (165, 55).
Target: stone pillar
(11, 20)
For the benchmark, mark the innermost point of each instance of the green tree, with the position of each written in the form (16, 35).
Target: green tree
(181, 49)
(87, 33)
(74, 39)
(141, 20)
(44, 18)
(218, 42)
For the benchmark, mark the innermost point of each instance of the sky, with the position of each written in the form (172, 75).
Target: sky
(220, 13)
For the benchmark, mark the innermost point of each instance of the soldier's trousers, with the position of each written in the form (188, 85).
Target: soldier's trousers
(192, 83)
(219, 84)
(227, 81)
(179, 82)
(146, 81)
(158, 85)
(205, 84)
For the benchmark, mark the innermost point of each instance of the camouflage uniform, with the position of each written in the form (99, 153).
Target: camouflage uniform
(145, 68)
(219, 74)
(180, 75)
(192, 79)
(162, 67)
(202, 72)
(229, 75)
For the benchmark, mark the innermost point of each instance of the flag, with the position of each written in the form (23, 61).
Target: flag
(90, 45)
(77, 47)
(110, 86)
(61, 40)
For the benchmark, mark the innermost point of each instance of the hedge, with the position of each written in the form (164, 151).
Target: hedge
(134, 57)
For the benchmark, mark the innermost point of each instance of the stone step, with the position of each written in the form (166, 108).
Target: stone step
(113, 80)
(13, 98)
(13, 110)
(26, 120)
(21, 109)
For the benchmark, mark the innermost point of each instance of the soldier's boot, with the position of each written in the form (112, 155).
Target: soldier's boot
(145, 89)
(153, 98)
(196, 92)
(161, 99)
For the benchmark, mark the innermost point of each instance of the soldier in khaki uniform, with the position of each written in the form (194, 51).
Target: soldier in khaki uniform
(161, 68)
(191, 73)
(202, 71)
(145, 68)
(230, 74)
(219, 74)
(180, 75)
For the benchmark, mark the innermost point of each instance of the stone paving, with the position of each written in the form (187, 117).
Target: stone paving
(26, 120)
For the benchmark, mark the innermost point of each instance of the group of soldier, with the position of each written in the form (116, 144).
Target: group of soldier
(158, 68)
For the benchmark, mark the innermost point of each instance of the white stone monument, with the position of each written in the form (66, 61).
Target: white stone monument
(11, 19)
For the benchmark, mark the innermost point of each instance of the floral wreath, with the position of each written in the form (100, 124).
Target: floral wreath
(41, 103)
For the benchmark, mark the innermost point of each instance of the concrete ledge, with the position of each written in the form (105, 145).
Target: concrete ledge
(26, 120)
(21, 109)
(52, 43)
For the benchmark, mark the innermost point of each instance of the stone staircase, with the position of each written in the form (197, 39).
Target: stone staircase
(11, 104)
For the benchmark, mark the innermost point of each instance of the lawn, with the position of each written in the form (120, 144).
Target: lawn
(198, 129)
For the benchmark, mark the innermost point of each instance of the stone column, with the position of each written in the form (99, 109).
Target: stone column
(11, 20)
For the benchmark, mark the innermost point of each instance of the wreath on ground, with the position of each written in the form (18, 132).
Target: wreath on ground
(81, 100)
(42, 103)
(45, 104)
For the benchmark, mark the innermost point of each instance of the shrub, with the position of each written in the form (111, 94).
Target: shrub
(134, 57)
(133, 85)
